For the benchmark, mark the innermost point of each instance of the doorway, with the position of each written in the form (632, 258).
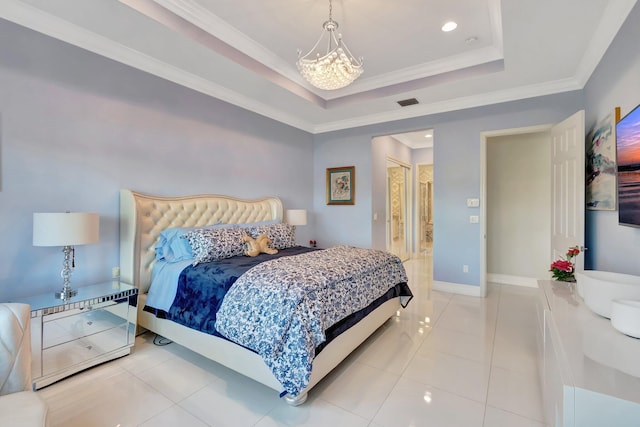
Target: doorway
(564, 197)
(398, 208)
(518, 178)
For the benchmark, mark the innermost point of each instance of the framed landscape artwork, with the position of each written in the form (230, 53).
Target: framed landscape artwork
(628, 159)
(601, 170)
(341, 185)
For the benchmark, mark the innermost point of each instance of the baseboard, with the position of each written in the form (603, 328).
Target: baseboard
(505, 279)
(456, 288)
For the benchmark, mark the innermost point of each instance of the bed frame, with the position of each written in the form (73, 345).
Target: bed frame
(143, 217)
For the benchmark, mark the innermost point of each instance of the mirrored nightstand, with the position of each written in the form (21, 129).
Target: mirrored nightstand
(96, 325)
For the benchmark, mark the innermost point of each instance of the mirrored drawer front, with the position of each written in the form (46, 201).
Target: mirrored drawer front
(74, 352)
(83, 322)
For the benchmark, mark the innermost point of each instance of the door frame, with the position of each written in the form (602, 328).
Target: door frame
(408, 227)
(483, 190)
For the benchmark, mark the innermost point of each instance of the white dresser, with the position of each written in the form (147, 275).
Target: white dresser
(590, 372)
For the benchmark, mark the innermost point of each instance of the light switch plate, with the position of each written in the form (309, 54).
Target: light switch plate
(473, 203)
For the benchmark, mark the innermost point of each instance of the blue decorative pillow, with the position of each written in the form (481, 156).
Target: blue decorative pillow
(214, 244)
(281, 235)
(171, 247)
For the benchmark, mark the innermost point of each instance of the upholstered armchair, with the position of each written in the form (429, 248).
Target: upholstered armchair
(19, 405)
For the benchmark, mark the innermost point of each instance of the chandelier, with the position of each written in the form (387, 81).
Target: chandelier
(333, 69)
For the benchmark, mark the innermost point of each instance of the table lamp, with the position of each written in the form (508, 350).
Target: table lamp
(296, 217)
(67, 230)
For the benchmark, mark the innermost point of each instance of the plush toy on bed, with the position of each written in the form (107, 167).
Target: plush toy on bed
(258, 245)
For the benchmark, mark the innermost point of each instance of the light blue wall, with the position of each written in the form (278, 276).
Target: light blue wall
(616, 82)
(75, 128)
(342, 224)
(456, 158)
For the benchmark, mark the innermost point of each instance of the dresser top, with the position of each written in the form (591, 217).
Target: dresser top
(98, 292)
(594, 355)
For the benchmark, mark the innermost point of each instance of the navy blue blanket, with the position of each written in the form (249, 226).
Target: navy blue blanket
(201, 289)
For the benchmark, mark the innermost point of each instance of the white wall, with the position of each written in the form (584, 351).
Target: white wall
(76, 127)
(518, 205)
(422, 156)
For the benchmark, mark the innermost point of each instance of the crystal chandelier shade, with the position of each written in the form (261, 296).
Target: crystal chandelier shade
(334, 68)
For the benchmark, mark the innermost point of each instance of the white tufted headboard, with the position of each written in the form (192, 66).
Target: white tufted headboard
(143, 217)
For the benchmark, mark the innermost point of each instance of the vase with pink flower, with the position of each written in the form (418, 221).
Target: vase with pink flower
(563, 269)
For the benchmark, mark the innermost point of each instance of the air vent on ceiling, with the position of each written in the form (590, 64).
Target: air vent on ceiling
(407, 102)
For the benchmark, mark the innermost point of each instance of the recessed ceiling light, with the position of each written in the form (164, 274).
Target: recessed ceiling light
(449, 26)
(428, 135)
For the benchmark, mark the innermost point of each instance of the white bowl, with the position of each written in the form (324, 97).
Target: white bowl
(599, 288)
(625, 316)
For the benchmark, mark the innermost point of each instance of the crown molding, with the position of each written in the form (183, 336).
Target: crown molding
(50, 25)
(31, 17)
(202, 18)
(481, 100)
(614, 16)
(434, 68)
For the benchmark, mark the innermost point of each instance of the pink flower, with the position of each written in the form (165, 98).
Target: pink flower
(562, 269)
(562, 265)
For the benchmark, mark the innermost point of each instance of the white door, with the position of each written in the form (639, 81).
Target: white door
(567, 186)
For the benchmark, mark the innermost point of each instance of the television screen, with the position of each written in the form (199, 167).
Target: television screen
(628, 152)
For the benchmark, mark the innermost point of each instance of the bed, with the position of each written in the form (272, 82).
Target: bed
(142, 220)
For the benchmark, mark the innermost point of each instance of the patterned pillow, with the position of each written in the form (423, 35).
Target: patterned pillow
(214, 244)
(282, 235)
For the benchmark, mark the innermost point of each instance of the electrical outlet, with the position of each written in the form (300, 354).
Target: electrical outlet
(465, 268)
(115, 272)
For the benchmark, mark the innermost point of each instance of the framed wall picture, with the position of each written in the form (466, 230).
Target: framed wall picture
(341, 185)
(601, 165)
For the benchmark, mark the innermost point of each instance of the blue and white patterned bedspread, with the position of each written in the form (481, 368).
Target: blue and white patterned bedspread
(281, 308)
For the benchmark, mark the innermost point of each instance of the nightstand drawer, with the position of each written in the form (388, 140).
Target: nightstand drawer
(75, 352)
(78, 323)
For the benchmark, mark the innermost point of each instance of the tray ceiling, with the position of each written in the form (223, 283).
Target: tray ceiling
(244, 51)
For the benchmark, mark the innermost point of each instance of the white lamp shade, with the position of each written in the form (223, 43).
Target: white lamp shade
(65, 229)
(296, 217)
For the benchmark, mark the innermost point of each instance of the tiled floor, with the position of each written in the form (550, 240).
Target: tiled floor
(447, 360)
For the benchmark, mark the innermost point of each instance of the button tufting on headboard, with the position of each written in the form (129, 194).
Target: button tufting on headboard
(143, 217)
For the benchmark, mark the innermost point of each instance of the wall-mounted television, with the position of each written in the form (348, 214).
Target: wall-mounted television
(628, 153)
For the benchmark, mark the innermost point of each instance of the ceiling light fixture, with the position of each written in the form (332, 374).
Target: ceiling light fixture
(333, 69)
(449, 26)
